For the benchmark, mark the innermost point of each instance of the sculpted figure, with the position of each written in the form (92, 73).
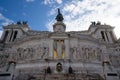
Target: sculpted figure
(3, 59)
(59, 17)
(31, 54)
(20, 52)
(99, 52)
(74, 52)
(78, 55)
(38, 51)
(86, 52)
(45, 52)
(26, 53)
(93, 23)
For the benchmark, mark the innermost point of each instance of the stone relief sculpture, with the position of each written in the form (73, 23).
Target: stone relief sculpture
(32, 52)
(79, 53)
(3, 59)
(38, 51)
(21, 53)
(12, 54)
(83, 53)
(90, 54)
(74, 52)
(115, 59)
(41, 51)
(45, 52)
(86, 53)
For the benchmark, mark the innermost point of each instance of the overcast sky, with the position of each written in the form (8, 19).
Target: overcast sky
(78, 14)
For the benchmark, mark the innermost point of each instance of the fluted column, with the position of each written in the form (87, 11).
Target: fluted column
(9, 35)
(105, 37)
(67, 49)
(109, 36)
(12, 36)
(3, 35)
(51, 49)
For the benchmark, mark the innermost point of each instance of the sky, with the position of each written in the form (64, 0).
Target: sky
(78, 14)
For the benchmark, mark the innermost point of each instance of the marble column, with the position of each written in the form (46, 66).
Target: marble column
(12, 36)
(110, 37)
(105, 37)
(59, 49)
(9, 36)
(67, 49)
(51, 51)
(3, 34)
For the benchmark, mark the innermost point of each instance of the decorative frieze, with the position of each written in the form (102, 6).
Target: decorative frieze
(86, 53)
(33, 52)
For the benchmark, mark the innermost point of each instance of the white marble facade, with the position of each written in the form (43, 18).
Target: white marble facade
(44, 55)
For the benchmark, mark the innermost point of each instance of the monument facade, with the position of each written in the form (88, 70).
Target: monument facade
(93, 54)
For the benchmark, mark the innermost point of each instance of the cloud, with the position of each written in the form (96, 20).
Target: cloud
(4, 21)
(49, 2)
(59, 1)
(30, 0)
(79, 13)
(50, 24)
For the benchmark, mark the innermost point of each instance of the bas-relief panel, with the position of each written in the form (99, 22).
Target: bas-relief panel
(41, 52)
(115, 60)
(31, 52)
(86, 52)
(3, 59)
